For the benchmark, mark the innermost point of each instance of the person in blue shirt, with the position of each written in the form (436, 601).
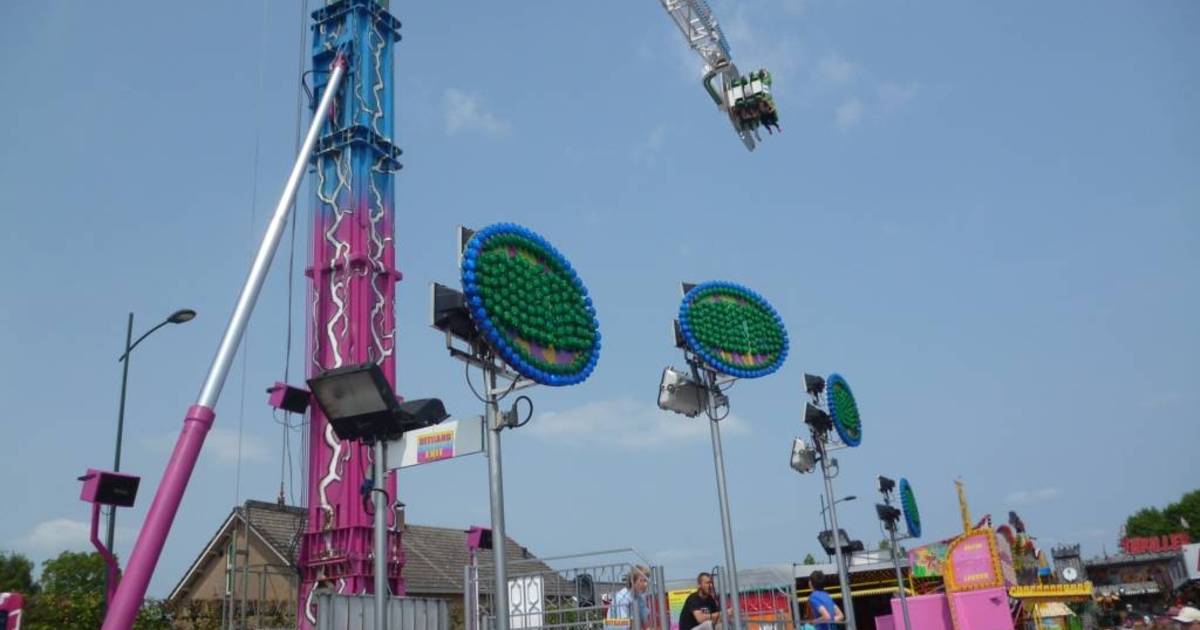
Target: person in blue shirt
(821, 604)
(631, 601)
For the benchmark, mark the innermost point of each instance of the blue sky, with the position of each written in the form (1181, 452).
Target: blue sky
(985, 215)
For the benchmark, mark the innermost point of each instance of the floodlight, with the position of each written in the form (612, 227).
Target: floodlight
(804, 458)
(816, 417)
(826, 540)
(360, 404)
(886, 485)
(109, 488)
(888, 514)
(288, 398)
(450, 313)
(420, 413)
(479, 538)
(814, 385)
(357, 400)
(677, 392)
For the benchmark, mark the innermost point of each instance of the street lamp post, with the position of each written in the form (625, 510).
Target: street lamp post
(178, 317)
(824, 509)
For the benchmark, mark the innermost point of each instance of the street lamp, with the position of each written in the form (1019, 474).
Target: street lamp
(180, 316)
(825, 508)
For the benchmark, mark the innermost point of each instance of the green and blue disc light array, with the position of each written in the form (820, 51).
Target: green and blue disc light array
(530, 305)
(912, 517)
(734, 329)
(843, 409)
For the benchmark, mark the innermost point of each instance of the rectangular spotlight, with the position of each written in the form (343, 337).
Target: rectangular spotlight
(804, 458)
(109, 488)
(448, 312)
(677, 392)
(357, 399)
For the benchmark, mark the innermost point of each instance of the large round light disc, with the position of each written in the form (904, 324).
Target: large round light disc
(844, 410)
(734, 329)
(912, 517)
(530, 305)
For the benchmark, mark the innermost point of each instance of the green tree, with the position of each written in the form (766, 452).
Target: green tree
(1155, 522)
(74, 573)
(72, 593)
(1187, 510)
(1148, 522)
(154, 616)
(809, 559)
(885, 545)
(72, 597)
(16, 574)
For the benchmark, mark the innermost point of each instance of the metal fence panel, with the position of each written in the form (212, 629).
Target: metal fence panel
(357, 612)
(575, 595)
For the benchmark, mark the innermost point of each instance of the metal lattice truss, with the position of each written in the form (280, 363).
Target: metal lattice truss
(695, 20)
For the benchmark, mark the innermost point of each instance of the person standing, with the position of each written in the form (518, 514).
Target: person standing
(631, 600)
(821, 604)
(701, 610)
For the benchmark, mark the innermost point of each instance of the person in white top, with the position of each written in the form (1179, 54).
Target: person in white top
(631, 600)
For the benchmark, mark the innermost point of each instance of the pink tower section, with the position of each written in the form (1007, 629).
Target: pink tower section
(351, 321)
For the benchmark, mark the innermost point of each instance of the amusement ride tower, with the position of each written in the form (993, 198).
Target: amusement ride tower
(352, 275)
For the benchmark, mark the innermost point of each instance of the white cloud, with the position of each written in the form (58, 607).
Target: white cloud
(465, 112)
(893, 96)
(221, 445)
(849, 113)
(1028, 497)
(835, 69)
(626, 423)
(58, 534)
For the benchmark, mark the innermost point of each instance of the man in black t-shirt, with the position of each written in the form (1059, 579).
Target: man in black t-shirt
(701, 610)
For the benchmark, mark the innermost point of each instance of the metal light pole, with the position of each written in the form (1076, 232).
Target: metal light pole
(709, 379)
(899, 576)
(843, 573)
(381, 550)
(494, 423)
(178, 317)
(726, 524)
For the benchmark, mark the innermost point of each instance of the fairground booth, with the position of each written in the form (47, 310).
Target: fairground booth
(987, 579)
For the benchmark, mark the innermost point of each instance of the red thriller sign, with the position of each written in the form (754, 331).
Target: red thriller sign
(1154, 544)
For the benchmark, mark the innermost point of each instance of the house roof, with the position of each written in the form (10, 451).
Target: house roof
(279, 525)
(434, 556)
(1123, 559)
